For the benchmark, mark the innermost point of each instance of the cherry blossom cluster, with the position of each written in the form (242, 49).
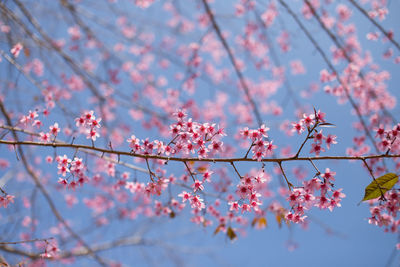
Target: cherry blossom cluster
(99, 204)
(247, 198)
(388, 138)
(51, 249)
(316, 147)
(303, 198)
(189, 137)
(384, 213)
(89, 125)
(311, 122)
(31, 118)
(360, 147)
(51, 135)
(143, 3)
(143, 193)
(223, 219)
(16, 49)
(75, 168)
(6, 199)
(247, 192)
(196, 202)
(261, 147)
(387, 142)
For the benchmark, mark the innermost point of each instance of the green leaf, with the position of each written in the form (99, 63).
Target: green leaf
(230, 233)
(385, 182)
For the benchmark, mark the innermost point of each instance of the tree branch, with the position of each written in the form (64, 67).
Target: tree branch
(183, 159)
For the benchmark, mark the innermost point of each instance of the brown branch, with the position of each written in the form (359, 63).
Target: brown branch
(129, 241)
(150, 172)
(233, 165)
(109, 159)
(248, 151)
(190, 172)
(315, 167)
(26, 241)
(289, 184)
(183, 159)
(310, 130)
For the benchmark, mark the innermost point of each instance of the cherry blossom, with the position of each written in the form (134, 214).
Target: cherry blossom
(210, 111)
(16, 49)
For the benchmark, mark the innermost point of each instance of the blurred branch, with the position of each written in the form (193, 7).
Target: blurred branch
(386, 33)
(335, 40)
(332, 68)
(234, 63)
(26, 241)
(45, 193)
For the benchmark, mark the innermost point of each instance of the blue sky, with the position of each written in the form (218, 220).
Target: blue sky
(339, 238)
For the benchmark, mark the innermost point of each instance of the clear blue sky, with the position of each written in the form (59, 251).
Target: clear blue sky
(339, 238)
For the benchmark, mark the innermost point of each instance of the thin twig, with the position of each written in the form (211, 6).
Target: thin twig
(150, 172)
(26, 241)
(310, 130)
(233, 165)
(190, 172)
(315, 167)
(289, 184)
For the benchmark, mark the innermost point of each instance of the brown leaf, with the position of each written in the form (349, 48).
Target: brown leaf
(231, 234)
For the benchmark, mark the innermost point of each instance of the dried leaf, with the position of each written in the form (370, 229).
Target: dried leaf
(254, 221)
(231, 234)
(201, 169)
(218, 229)
(278, 218)
(262, 223)
(27, 52)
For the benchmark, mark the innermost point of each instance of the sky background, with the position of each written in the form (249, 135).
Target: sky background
(339, 238)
